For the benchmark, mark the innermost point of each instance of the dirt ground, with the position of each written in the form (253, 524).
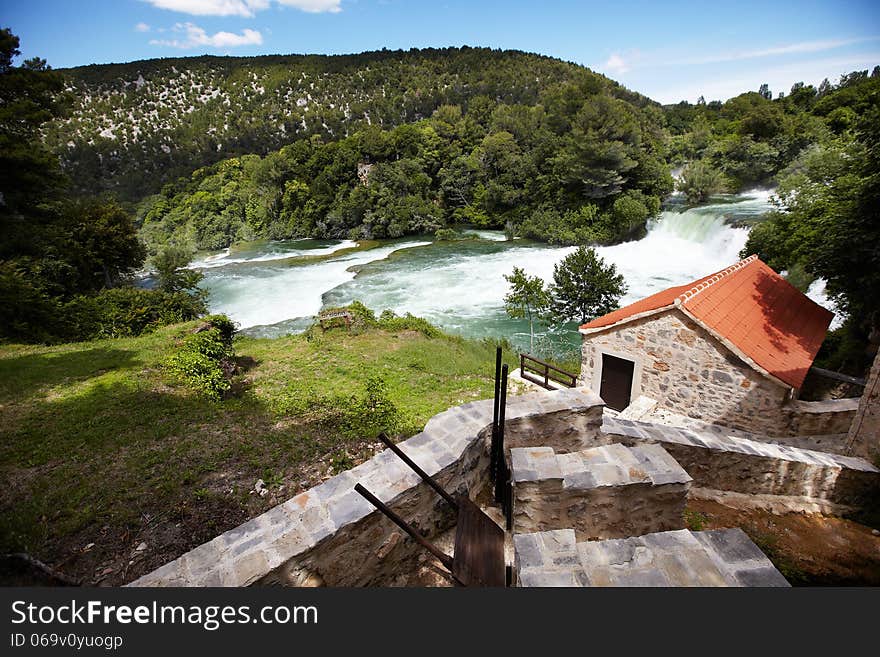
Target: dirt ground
(808, 549)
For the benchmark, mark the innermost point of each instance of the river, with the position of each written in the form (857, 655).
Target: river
(274, 288)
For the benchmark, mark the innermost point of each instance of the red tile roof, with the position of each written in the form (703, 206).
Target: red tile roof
(750, 307)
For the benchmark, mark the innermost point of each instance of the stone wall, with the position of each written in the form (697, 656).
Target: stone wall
(864, 433)
(758, 468)
(821, 418)
(564, 431)
(689, 371)
(330, 535)
(604, 492)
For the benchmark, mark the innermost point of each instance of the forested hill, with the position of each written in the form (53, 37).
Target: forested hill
(132, 127)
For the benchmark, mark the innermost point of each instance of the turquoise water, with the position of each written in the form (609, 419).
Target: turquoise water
(274, 288)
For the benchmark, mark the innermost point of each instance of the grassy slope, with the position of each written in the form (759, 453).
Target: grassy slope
(98, 445)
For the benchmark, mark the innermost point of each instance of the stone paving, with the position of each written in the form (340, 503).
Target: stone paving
(834, 443)
(606, 465)
(721, 557)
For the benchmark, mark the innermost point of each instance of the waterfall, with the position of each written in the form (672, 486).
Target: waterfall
(680, 246)
(460, 286)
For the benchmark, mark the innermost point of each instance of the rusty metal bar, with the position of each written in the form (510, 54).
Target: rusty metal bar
(424, 475)
(445, 559)
(493, 448)
(837, 376)
(500, 480)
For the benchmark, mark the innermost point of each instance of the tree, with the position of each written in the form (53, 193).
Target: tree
(170, 265)
(29, 174)
(527, 299)
(699, 181)
(584, 287)
(829, 225)
(765, 92)
(102, 243)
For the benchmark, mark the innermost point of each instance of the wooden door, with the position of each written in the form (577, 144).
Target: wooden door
(617, 378)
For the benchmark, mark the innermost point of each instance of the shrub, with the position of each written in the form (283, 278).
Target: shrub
(445, 234)
(32, 315)
(699, 181)
(127, 312)
(29, 315)
(391, 322)
(205, 359)
(371, 412)
(572, 227)
(364, 318)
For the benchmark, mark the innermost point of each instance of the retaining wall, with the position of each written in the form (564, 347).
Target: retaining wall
(729, 463)
(330, 535)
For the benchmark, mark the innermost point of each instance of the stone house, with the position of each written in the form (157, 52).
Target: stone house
(732, 348)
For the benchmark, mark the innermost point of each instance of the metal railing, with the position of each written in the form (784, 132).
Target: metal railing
(498, 468)
(545, 373)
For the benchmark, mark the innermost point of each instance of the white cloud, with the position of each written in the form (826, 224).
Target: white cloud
(212, 7)
(142, 27)
(616, 64)
(314, 6)
(779, 78)
(246, 8)
(192, 36)
(790, 49)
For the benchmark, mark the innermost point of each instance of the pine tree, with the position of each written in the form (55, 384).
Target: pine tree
(584, 287)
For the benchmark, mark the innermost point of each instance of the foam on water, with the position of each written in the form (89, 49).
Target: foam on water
(817, 293)
(492, 235)
(460, 286)
(274, 251)
(259, 293)
(679, 247)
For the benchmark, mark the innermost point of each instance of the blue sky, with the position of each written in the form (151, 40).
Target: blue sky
(669, 51)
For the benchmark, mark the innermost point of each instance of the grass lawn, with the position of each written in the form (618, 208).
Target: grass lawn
(102, 452)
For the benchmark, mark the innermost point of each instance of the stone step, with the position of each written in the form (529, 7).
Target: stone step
(611, 491)
(720, 557)
(639, 408)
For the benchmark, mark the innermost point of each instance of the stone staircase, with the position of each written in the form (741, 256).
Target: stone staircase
(613, 515)
(611, 491)
(721, 557)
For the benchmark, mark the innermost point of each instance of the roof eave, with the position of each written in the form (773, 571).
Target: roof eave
(626, 320)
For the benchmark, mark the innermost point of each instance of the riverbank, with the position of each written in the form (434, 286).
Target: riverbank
(113, 469)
